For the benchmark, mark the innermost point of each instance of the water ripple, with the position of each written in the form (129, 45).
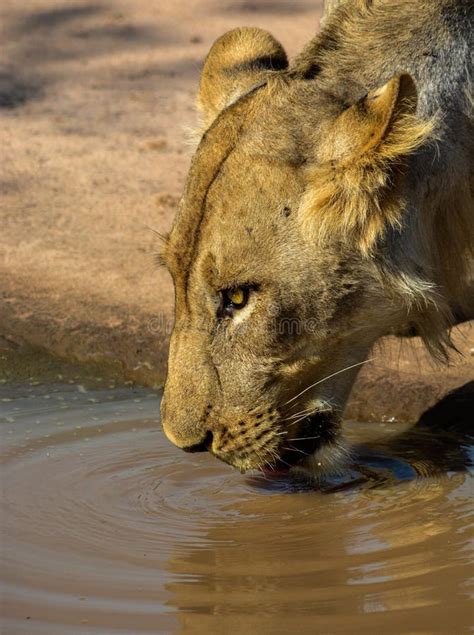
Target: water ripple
(109, 529)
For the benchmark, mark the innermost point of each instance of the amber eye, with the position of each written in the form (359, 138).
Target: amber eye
(237, 297)
(234, 299)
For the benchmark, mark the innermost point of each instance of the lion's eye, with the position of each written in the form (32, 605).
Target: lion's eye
(237, 297)
(234, 299)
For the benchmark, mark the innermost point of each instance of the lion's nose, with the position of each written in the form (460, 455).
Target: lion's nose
(202, 446)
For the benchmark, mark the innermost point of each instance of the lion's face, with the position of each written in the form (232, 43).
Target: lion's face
(259, 317)
(272, 322)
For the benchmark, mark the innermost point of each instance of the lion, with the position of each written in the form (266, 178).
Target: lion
(329, 203)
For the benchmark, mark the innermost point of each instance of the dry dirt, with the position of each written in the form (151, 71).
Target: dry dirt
(95, 102)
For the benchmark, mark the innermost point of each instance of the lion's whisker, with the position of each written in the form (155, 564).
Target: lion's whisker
(298, 414)
(292, 449)
(298, 420)
(315, 411)
(320, 381)
(278, 459)
(262, 461)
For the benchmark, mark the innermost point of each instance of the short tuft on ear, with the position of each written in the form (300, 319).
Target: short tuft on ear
(356, 188)
(239, 60)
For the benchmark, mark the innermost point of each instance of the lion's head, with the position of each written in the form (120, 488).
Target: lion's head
(274, 254)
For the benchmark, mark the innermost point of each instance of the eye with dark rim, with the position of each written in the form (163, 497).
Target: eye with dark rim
(233, 300)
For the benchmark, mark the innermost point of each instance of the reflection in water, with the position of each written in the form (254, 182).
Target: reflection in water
(109, 529)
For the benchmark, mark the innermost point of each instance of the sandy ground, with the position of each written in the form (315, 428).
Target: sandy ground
(95, 101)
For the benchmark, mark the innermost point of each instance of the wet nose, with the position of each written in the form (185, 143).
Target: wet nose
(202, 446)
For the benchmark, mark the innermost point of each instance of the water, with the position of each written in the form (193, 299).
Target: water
(108, 529)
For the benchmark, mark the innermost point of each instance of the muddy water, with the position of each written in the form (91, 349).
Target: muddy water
(108, 529)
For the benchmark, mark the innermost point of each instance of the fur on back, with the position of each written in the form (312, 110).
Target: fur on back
(431, 228)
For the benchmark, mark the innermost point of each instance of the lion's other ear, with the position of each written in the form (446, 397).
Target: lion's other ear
(364, 125)
(237, 61)
(356, 188)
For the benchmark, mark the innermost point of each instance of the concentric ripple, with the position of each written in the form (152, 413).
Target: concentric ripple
(109, 529)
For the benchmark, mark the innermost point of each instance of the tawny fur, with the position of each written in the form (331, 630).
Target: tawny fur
(355, 197)
(340, 189)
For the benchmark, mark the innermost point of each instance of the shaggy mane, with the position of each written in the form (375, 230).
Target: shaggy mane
(356, 197)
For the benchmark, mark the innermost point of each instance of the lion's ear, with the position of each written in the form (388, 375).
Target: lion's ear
(366, 124)
(237, 61)
(356, 187)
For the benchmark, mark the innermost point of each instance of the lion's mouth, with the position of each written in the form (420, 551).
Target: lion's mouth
(316, 431)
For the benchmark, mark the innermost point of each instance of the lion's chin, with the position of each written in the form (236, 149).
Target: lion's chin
(330, 460)
(320, 450)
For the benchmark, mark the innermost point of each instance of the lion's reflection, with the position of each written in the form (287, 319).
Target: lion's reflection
(338, 562)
